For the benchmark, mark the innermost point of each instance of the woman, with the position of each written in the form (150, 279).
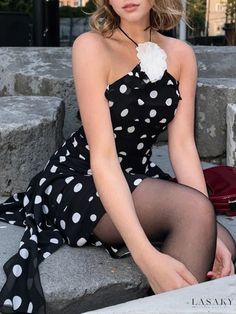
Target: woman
(101, 184)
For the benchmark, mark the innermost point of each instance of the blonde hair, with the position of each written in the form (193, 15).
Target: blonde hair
(164, 15)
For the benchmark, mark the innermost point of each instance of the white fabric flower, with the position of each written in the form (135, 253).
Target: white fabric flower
(152, 60)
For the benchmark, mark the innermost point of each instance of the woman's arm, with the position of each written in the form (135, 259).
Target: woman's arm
(91, 69)
(182, 148)
(183, 152)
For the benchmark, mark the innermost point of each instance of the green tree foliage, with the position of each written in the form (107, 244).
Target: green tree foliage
(196, 12)
(231, 11)
(16, 5)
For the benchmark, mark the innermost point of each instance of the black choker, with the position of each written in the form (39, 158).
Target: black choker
(150, 36)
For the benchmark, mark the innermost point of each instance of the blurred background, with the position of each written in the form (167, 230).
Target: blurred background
(58, 23)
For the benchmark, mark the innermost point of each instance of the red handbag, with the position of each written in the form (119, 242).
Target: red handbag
(221, 185)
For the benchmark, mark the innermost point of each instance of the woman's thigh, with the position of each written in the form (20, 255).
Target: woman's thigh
(160, 206)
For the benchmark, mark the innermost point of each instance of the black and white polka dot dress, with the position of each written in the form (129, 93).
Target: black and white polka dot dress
(61, 204)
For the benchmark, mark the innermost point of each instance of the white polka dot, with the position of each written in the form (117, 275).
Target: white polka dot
(48, 190)
(30, 308)
(87, 147)
(17, 270)
(163, 120)
(11, 222)
(89, 171)
(120, 159)
(26, 200)
(152, 164)
(144, 160)
(130, 73)
(45, 209)
(154, 135)
(170, 82)
(59, 198)
(24, 253)
(16, 197)
(78, 187)
(76, 218)
(169, 102)
(124, 112)
(177, 92)
(42, 181)
(131, 129)
(63, 224)
(140, 146)
(21, 242)
(7, 302)
(123, 153)
(140, 102)
(136, 120)
(143, 136)
(54, 241)
(118, 128)
(123, 88)
(110, 103)
(38, 199)
(175, 112)
(53, 169)
(90, 199)
(81, 241)
(136, 74)
(67, 153)
(62, 158)
(137, 181)
(93, 217)
(75, 143)
(152, 113)
(69, 179)
(81, 156)
(16, 301)
(114, 135)
(46, 254)
(34, 238)
(153, 94)
(147, 120)
(156, 176)
(128, 169)
(97, 194)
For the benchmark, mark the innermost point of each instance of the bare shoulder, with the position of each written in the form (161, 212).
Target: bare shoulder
(179, 48)
(90, 46)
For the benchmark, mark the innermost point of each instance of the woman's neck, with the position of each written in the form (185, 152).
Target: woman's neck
(138, 32)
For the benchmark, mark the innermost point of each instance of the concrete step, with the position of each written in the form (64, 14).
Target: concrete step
(30, 131)
(213, 96)
(231, 135)
(215, 297)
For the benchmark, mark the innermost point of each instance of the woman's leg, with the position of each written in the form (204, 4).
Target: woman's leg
(180, 217)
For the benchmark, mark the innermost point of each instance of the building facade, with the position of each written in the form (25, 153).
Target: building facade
(215, 17)
(73, 3)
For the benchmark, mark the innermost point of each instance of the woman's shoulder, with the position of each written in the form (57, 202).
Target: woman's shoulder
(90, 42)
(177, 47)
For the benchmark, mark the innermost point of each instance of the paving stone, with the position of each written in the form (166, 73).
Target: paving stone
(30, 131)
(231, 135)
(215, 297)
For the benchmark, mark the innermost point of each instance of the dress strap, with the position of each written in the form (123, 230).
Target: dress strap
(150, 35)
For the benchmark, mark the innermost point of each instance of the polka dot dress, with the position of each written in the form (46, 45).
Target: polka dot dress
(61, 204)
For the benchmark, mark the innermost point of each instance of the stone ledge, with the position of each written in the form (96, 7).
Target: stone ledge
(47, 71)
(75, 280)
(30, 131)
(213, 95)
(231, 135)
(215, 297)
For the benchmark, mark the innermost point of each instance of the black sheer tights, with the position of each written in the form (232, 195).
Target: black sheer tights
(180, 217)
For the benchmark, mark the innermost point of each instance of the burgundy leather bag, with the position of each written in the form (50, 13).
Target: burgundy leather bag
(221, 184)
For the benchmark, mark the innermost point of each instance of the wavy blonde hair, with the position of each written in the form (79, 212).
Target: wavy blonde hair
(164, 15)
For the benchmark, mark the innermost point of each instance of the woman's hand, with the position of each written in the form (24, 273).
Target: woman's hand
(223, 265)
(164, 273)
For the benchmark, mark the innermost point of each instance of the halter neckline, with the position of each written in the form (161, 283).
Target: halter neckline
(150, 35)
